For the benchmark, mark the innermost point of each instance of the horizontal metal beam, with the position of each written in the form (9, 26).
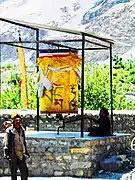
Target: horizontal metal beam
(97, 37)
(66, 40)
(94, 48)
(60, 45)
(15, 45)
(50, 42)
(79, 40)
(32, 42)
(70, 48)
(96, 43)
(41, 41)
(18, 24)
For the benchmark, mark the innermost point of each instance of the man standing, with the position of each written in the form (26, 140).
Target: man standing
(15, 148)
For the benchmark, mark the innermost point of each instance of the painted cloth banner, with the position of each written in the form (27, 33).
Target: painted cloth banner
(24, 93)
(58, 82)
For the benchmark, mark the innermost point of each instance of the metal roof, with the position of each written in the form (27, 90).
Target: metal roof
(44, 27)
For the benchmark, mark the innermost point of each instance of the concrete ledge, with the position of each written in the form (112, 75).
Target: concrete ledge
(34, 112)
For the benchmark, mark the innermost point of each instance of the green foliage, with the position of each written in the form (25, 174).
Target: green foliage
(97, 92)
(11, 91)
(117, 62)
(97, 83)
(10, 98)
(97, 86)
(8, 66)
(32, 100)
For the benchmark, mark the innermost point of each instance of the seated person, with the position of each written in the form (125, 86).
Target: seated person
(103, 128)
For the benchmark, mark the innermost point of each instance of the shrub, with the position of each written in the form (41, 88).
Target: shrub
(97, 88)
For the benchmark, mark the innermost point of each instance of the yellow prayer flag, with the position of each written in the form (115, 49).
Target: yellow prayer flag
(24, 94)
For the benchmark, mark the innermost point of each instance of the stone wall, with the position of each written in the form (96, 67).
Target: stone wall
(67, 156)
(123, 121)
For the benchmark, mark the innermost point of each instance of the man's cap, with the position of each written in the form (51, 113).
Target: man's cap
(15, 115)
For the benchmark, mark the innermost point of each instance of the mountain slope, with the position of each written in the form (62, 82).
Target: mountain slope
(112, 18)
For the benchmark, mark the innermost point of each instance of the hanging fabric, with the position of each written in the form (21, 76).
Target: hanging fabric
(24, 92)
(60, 76)
(43, 83)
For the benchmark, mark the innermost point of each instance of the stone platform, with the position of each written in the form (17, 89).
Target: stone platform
(67, 154)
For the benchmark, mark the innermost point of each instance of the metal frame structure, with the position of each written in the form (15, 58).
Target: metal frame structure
(97, 42)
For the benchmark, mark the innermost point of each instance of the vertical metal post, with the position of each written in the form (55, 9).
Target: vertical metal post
(82, 85)
(37, 55)
(111, 77)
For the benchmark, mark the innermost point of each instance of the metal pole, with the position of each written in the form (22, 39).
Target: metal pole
(111, 95)
(82, 85)
(37, 55)
(15, 45)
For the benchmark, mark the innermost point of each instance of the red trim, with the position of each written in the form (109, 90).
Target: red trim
(56, 112)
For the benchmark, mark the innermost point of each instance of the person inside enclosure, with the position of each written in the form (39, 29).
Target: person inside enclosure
(15, 149)
(102, 127)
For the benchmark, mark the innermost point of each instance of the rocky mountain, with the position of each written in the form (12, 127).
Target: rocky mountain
(110, 18)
